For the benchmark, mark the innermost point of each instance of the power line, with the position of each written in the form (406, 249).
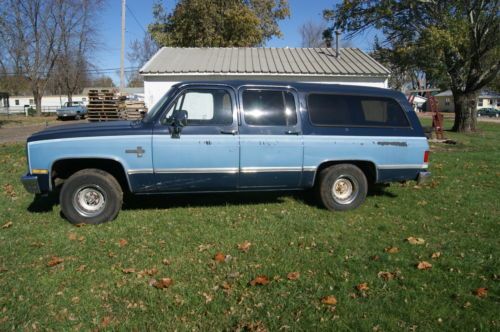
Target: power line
(96, 71)
(135, 19)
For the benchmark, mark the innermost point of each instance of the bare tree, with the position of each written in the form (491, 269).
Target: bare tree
(312, 34)
(140, 52)
(78, 40)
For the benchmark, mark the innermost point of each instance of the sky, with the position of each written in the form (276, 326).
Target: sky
(139, 15)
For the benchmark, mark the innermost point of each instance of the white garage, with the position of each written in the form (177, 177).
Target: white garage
(172, 65)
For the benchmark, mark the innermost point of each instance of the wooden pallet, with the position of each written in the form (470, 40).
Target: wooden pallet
(132, 110)
(103, 106)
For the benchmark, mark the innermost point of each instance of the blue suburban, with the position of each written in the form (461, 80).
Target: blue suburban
(234, 136)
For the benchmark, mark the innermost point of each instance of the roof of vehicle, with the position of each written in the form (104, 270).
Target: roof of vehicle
(259, 60)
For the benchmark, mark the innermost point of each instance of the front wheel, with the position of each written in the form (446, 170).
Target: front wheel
(91, 196)
(342, 187)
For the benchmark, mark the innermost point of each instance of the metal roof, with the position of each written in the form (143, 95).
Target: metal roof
(263, 61)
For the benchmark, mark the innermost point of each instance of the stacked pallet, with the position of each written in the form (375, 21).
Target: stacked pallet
(103, 106)
(132, 110)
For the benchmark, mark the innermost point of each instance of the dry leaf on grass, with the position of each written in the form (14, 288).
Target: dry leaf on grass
(415, 240)
(208, 298)
(219, 257)
(392, 250)
(329, 300)
(481, 292)
(105, 321)
(293, 275)
(9, 190)
(72, 236)
(55, 261)
(7, 224)
(122, 243)
(128, 270)
(260, 281)
(166, 262)
(362, 287)
(386, 275)
(245, 246)
(162, 283)
(436, 255)
(424, 265)
(81, 268)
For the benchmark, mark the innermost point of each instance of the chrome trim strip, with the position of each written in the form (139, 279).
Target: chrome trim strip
(310, 168)
(270, 169)
(140, 171)
(404, 166)
(230, 170)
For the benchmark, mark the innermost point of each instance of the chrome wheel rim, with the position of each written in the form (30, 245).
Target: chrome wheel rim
(89, 201)
(345, 189)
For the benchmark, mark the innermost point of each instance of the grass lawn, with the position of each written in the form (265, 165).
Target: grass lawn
(18, 120)
(101, 275)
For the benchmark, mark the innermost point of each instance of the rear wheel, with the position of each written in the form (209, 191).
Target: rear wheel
(91, 196)
(342, 187)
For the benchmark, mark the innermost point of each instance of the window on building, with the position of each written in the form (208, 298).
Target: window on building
(269, 108)
(205, 107)
(480, 102)
(32, 102)
(447, 101)
(337, 110)
(16, 102)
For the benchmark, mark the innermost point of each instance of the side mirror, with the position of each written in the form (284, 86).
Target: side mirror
(179, 120)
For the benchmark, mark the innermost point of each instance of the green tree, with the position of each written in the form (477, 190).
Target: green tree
(218, 23)
(454, 42)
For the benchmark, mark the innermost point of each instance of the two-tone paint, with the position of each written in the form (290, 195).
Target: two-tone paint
(234, 157)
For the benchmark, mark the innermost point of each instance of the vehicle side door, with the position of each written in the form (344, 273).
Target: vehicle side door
(204, 156)
(271, 143)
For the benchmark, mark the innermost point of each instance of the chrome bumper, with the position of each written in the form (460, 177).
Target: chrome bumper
(30, 183)
(423, 177)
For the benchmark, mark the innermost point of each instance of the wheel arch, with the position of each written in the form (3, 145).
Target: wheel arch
(65, 167)
(368, 167)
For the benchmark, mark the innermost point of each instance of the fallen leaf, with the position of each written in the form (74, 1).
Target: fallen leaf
(386, 275)
(166, 262)
(260, 281)
(424, 265)
(204, 247)
(72, 236)
(415, 240)
(362, 287)
(226, 285)
(162, 283)
(7, 224)
(245, 246)
(481, 292)
(329, 300)
(81, 268)
(55, 261)
(219, 257)
(105, 321)
(146, 272)
(436, 255)
(9, 190)
(128, 270)
(293, 275)
(375, 258)
(122, 243)
(208, 297)
(392, 250)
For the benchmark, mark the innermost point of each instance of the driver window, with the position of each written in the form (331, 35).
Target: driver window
(204, 107)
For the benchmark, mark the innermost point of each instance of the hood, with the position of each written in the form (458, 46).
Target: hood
(109, 128)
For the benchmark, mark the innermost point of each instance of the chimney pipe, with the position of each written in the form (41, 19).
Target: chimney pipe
(337, 37)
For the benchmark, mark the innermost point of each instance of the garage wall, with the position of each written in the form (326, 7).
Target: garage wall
(155, 86)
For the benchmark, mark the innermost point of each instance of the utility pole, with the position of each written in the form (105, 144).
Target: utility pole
(122, 55)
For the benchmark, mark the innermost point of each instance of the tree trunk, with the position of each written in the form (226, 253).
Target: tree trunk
(465, 111)
(70, 98)
(38, 102)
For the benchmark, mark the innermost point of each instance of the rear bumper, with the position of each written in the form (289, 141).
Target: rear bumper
(30, 183)
(423, 177)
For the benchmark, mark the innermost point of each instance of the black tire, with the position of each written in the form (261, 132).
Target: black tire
(350, 182)
(91, 196)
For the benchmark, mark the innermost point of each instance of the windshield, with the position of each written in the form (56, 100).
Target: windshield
(150, 115)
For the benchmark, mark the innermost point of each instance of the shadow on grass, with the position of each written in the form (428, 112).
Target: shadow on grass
(42, 204)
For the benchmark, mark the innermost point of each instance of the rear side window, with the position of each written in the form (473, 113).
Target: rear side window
(269, 108)
(365, 111)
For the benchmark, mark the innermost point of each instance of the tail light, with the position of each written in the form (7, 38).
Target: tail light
(426, 156)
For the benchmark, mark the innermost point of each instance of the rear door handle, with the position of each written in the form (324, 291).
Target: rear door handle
(292, 132)
(229, 132)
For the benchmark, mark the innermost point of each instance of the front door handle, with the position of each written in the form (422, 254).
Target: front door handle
(292, 132)
(229, 132)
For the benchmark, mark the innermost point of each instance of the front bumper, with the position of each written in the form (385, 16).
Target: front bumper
(30, 183)
(423, 177)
